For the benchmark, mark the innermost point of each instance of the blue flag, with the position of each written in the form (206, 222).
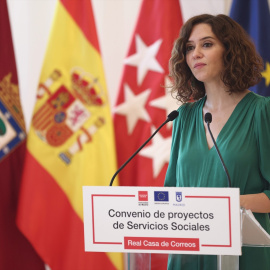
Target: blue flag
(254, 17)
(161, 196)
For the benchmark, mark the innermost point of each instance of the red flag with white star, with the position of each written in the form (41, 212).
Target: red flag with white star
(143, 102)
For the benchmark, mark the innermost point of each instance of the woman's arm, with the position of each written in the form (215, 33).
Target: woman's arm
(257, 203)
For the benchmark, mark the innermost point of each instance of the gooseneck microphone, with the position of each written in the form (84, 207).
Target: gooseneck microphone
(170, 117)
(208, 120)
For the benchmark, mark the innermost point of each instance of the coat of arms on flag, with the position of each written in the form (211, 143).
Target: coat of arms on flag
(11, 118)
(68, 111)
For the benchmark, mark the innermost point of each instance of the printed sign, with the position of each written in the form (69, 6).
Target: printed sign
(162, 220)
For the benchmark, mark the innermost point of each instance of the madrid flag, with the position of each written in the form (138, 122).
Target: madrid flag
(70, 143)
(144, 102)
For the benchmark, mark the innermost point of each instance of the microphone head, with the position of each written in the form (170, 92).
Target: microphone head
(172, 115)
(208, 117)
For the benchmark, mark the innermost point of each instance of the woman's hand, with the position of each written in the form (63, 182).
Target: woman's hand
(257, 203)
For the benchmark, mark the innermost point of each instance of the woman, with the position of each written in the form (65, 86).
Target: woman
(214, 63)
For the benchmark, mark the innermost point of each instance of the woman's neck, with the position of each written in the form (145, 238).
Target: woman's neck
(218, 97)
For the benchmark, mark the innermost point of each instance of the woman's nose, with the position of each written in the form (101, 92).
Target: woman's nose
(197, 53)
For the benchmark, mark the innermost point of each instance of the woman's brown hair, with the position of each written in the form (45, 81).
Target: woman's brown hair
(242, 64)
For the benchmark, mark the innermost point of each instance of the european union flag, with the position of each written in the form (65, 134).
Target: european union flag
(254, 17)
(161, 196)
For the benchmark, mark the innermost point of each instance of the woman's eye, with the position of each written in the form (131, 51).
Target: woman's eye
(207, 44)
(189, 48)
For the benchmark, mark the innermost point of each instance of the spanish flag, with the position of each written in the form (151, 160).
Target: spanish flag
(70, 143)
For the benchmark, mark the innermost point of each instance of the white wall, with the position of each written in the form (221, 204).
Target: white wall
(31, 21)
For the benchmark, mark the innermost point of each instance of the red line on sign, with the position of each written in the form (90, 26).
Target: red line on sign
(209, 197)
(216, 245)
(93, 216)
(109, 243)
(229, 208)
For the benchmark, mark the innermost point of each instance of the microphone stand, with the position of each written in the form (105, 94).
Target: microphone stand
(208, 120)
(170, 117)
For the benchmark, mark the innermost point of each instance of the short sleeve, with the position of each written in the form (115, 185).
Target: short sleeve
(263, 138)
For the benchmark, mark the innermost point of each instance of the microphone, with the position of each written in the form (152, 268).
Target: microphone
(208, 120)
(170, 117)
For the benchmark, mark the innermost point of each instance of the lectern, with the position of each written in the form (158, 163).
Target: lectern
(252, 235)
(140, 221)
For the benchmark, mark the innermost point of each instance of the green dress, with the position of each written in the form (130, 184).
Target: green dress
(244, 143)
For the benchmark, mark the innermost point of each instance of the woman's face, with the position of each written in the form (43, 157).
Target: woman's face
(204, 54)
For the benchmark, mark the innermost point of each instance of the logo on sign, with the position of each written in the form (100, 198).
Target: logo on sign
(161, 196)
(143, 196)
(178, 196)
